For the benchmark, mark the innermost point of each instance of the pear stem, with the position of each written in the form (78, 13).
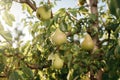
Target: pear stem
(51, 10)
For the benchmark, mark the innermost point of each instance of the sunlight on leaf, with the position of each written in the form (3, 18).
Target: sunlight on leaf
(28, 8)
(8, 18)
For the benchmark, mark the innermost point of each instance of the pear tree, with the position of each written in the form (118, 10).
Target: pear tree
(79, 41)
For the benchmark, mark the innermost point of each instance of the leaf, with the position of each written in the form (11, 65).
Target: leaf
(1, 26)
(117, 31)
(70, 74)
(73, 11)
(27, 71)
(11, 16)
(28, 8)
(113, 4)
(118, 12)
(3, 59)
(51, 56)
(117, 51)
(14, 76)
(6, 4)
(83, 10)
(8, 18)
(1, 67)
(6, 35)
(60, 11)
(63, 26)
(92, 17)
(69, 57)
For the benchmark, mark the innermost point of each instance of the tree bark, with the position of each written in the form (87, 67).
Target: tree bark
(93, 9)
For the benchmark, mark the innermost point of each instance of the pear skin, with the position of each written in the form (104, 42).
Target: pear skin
(43, 14)
(58, 37)
(87, 43)
(57, 62)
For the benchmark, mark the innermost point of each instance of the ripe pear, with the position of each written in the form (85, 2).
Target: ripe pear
(87, 43)
(43, 13)
(58, 37)
(57, 62)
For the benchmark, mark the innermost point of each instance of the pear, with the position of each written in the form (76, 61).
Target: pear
(57, 62)
(87, 43)
(58, 37)
(81, 2)
(43, 13)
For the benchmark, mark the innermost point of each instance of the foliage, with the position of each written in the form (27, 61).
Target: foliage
(32, 60)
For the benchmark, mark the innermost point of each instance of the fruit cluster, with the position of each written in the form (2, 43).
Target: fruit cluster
(59, 37)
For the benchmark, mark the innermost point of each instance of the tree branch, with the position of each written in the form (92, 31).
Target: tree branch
(93, 10)
(51, 10)
(29, 2)
(3, 76)
(31, 66)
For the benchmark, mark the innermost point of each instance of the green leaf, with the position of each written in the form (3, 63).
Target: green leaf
(118, 12)
(27, 71)
(92, 17)
(1, 67)
(69, 57)
(14, 76)
(8, 18)
(83, 9)
(73, 11)
(63, 26)
(117, 52)
(117, 31)
(113, 6)
(60, 11)
(6, 35)
(1, 26)
(70, 74)
(6, 4)
(28, 8)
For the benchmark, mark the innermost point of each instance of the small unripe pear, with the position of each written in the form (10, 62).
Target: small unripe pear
(43, 14)
(87, 43)
(58, 37)
(57, 62)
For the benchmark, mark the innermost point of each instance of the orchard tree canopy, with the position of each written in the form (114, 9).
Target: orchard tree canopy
(73, 43)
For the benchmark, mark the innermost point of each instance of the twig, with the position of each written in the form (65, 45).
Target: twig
(51, 10)
(48, 1)
(105, 40)
(30, 3)
(31, 66)
(3, 76)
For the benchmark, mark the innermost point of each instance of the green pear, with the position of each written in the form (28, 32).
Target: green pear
(57, 62)
(87, 43)
(81, 2)
(58, 37)
(43, 13)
